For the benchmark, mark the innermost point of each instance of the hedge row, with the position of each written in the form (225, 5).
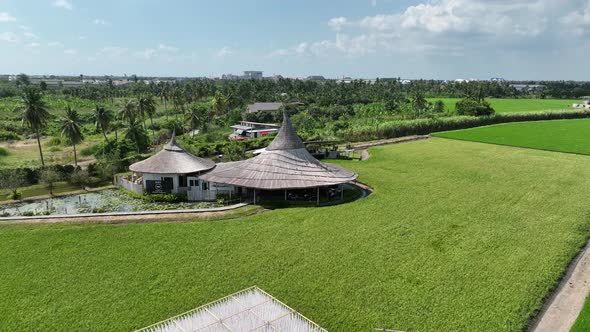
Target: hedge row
(400, 128)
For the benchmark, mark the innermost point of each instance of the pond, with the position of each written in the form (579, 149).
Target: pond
(95, 202)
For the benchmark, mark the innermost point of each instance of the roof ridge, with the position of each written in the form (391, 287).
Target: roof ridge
(287, 138)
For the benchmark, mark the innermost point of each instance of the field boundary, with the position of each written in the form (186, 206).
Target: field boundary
(562, 307)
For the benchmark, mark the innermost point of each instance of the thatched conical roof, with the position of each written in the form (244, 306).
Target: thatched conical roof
(172, 159)
(285, 164)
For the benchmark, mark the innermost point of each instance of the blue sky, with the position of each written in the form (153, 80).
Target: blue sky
(446, 39)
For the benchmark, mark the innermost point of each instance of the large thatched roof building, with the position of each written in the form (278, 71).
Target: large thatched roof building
(285, 164)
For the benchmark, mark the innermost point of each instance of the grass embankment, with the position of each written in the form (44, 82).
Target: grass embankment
(457, 236)
(558, 135)
(583, 322)
(517, 105)
(39, 190)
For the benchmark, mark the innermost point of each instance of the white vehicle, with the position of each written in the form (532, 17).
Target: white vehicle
(585, 103)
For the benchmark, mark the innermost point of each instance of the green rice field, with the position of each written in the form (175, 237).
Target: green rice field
(458, 236)
(557, 135)
(517, 105)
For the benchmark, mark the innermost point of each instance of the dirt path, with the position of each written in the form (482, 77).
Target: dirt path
(561, 310)
(362, 148)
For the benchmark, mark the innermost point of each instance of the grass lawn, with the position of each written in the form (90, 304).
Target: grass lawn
(583, 322)
(556, 135)
(517, 105)
(458, 236)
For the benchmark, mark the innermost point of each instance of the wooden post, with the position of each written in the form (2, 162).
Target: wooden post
(254, 196)
(318, 195)
(285, 194)
(341, 192)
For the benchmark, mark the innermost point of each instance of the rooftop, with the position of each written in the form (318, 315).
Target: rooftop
(251, 309)
(172, 159)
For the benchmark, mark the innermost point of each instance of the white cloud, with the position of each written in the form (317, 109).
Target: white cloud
(112, 51)
(337, 23)
(167, 48)
(8, 37)
(81, 38)
(71, 51)
(65, 4)
(99, 21)
(147, 53)
(223, 52)
(55, 44)
(5, 17)
(32, 45)
(24, 27)
(30, 35)
(280, 53)
(579, 20)
(436, 26)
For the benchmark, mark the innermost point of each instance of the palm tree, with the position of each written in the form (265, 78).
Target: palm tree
(102, 120)
(219, 103)
(147, 106)
(128, 111)
(70, 129)
(136, 133)
(35, 114)
(197, 116)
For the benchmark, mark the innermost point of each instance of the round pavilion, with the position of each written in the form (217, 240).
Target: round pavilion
(284, 165)
(171, 170)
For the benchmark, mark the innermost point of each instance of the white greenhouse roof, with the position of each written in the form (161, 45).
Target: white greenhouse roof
(251, 309)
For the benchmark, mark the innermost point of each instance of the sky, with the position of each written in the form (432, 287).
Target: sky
(438, 39)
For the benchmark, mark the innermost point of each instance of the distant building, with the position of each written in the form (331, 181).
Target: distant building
(528, 87)
(252, 74)
(229, 77)
(404, 82)
(316, 78)
(497, 79)
(263, 107)
(247, 129)
(346, 79)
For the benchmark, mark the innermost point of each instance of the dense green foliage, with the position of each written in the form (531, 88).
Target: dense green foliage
(563, 135)
(401, 128)
(442, 244)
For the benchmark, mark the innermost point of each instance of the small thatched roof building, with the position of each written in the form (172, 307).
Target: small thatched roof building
(172, 159)
(285, 164)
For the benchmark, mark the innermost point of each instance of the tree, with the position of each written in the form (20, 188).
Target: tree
(22, 79)
(473, 107)
(146, 105)
(128, 111)
(12, 179)
(80, 178)
(197, 116)
(102, 120)
(219, 103)
(42, 85)
(439, 106)
(49, 178)
(70, 129)
(136, 133)
(35, 114)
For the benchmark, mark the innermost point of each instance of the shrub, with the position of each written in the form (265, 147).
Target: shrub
(470, 106)
(89, 151)
(28, 214)
(438, 107)
(54, 141)
(8, 136)
(399, 128)
(15, 195)
(4, 152)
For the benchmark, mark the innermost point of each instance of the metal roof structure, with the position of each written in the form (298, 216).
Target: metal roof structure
(251, 309)
(265, 107)
(285, 164)
(172, 159)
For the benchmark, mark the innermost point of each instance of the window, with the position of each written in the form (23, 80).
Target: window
(182, 181)
(205, 185)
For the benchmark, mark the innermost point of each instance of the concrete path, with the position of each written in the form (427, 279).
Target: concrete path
(561, 310)
(362, 148)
